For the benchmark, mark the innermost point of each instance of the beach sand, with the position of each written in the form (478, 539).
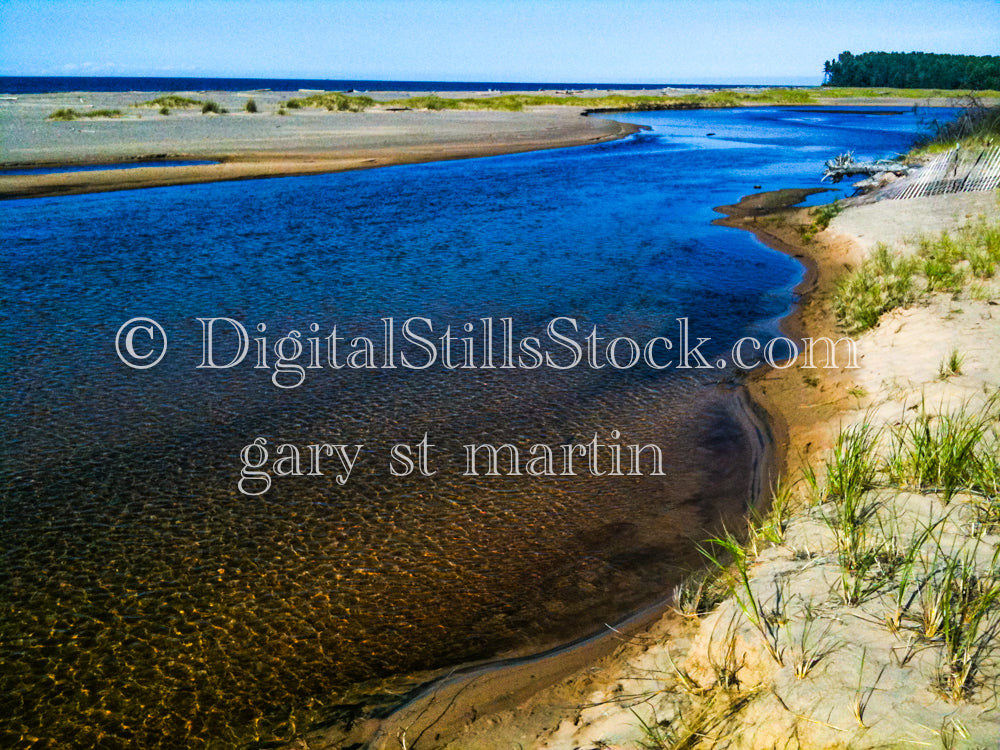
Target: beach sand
(248, 146)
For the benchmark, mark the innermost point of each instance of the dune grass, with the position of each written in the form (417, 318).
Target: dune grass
(331, 101)
(886, 281)
(171, 101)
(883, 282)
(934, 585)
(69, 114)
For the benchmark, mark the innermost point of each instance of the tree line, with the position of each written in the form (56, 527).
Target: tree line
(913, 70)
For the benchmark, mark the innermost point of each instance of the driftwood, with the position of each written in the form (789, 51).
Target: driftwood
(845, 166)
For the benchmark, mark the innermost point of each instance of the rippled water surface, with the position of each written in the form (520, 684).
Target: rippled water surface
(144, 601)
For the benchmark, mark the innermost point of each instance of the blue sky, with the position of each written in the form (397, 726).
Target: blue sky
(481, 40)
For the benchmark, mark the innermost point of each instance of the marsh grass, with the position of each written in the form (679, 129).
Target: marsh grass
(934, 585)
(822, 216)
(810, 646)
(951, 365)
(212, 108)
(958, 608)
(704, 725)
(863, 695)
(770, 527)
(700, 593)
(951, 256)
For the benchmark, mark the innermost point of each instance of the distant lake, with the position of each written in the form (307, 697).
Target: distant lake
(146, 602)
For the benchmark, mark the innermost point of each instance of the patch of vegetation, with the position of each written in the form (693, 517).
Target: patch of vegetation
(332, 101)
(943, 263)
(882, 283)
(976, 126)
(941, 453)
(951, 366)
(212, 108)
(250, 106)
(68, 114)
(171, 101)
(647, 102)
(164, 110)
(822, 216)
(948, 258)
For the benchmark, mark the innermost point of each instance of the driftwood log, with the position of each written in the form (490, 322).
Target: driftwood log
(845, 166)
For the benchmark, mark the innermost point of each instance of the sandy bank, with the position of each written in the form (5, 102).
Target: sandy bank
(259, 145)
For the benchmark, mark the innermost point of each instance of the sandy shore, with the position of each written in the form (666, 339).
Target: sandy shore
(248, 146)
(708, 672)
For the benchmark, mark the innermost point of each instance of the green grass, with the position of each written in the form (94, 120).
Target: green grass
(880, 92)
(729, 556)
(331, 101)
(250, 106)
(882, 283)
(171, 101)
(952, 365)
(959, 610)
(822, 216)
(66, 115)
(942, 263)
(976, 126)
(938, 452)
(212, 108)
(335, 101)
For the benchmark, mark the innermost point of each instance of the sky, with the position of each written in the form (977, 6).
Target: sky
(592, 41)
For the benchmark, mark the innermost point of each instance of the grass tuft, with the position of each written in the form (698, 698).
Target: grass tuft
(882, 283)
(68, 114)
(332, 101)
(171, 101)
(765, 622)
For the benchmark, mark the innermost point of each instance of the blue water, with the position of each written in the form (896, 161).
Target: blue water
(146, 602)
(99, 167)
(62, 84)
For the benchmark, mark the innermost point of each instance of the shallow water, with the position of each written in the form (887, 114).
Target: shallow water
(146, 602)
